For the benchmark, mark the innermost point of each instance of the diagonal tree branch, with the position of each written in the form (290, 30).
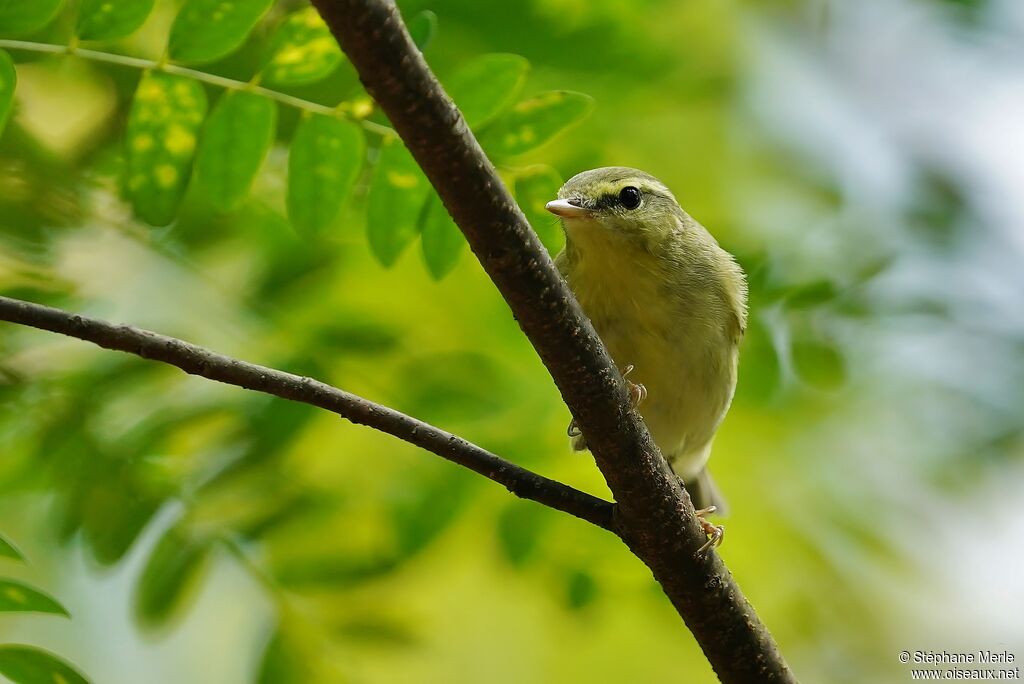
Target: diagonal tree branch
(653, 515)
(208, 364)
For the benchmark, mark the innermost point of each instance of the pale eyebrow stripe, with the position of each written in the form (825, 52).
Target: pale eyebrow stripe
(655, 189)
(646, 185)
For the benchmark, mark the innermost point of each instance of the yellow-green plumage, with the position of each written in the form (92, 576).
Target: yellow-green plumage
(666, 299)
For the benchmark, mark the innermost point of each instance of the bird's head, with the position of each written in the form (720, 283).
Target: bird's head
(626, 202)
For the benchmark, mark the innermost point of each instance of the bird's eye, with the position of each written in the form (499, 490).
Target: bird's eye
(630, 197)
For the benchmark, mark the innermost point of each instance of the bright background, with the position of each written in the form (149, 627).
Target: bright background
(864, 160)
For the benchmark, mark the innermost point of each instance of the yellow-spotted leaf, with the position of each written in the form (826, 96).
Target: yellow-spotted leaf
(535, 187)
(534, 121)
(325, 158)
(234, 144)
(442, 241)
(8, 550)
(8, 80)
(484, 87)
(206, 30)
(398, 190)
(302, 51)
(29, 665)
(170, 576)
(16, 597)
(422, 28)
(111, 19)
(24, 16)
(163, 128)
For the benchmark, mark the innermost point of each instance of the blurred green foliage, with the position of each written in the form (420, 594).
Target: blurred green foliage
(870, 408)
(28, 664)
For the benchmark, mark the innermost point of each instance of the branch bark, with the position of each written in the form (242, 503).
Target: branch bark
(196, 360)
(653, 514)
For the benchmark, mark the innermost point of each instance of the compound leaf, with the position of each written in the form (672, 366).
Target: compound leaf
(235, 142)
(8, 81)
(535, 187)
(161, 135)
(25, 16)
(487, 85)
(398, 190)
(206, 30)
(111, 19)
(170, 573)
(28, 665)
(325, 158)
(442, 240)
(534, 121)
(16, 597)
(302, 51)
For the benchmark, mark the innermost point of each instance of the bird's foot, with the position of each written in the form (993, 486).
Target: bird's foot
(637, 392)
(715, 533)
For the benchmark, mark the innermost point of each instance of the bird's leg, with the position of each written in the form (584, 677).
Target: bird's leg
(715, 533)
(637, 392)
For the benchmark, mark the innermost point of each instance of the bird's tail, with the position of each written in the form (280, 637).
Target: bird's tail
(703, 492)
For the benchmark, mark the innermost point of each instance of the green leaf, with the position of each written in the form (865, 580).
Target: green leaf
(398, 190)
(325, 158)
(8, 550)
(534, 121)
(8, 81)
(284, 662)
(337, 571)
(25, 16)
(519, 531)
(535, 187)
(16, 597)
(28, 665)
(163, 126)
(172, 571)
(302, 51)
(760, 367)
(206, 30)
(484, 87)
(812, 294)
(580, 589)
(442, 240)
(235, 142)
(819, 364)
(377, 630)
(454, 386)
(112, 19)
(114, 513)
(422, 29)
(420, 513)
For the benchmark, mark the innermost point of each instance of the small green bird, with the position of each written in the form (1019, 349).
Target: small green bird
(668, 303)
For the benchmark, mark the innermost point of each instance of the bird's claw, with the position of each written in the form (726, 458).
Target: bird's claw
(637, 392)
(715, 533)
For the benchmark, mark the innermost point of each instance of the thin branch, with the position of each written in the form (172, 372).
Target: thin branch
(202, 76)
(196, 360)
(654, 516)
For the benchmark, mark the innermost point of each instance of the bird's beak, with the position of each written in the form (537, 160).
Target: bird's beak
(566, 209)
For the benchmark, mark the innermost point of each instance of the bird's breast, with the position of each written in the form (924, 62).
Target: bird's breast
(686, 361)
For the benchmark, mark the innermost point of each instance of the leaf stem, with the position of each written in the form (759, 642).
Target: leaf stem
(202, 76)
